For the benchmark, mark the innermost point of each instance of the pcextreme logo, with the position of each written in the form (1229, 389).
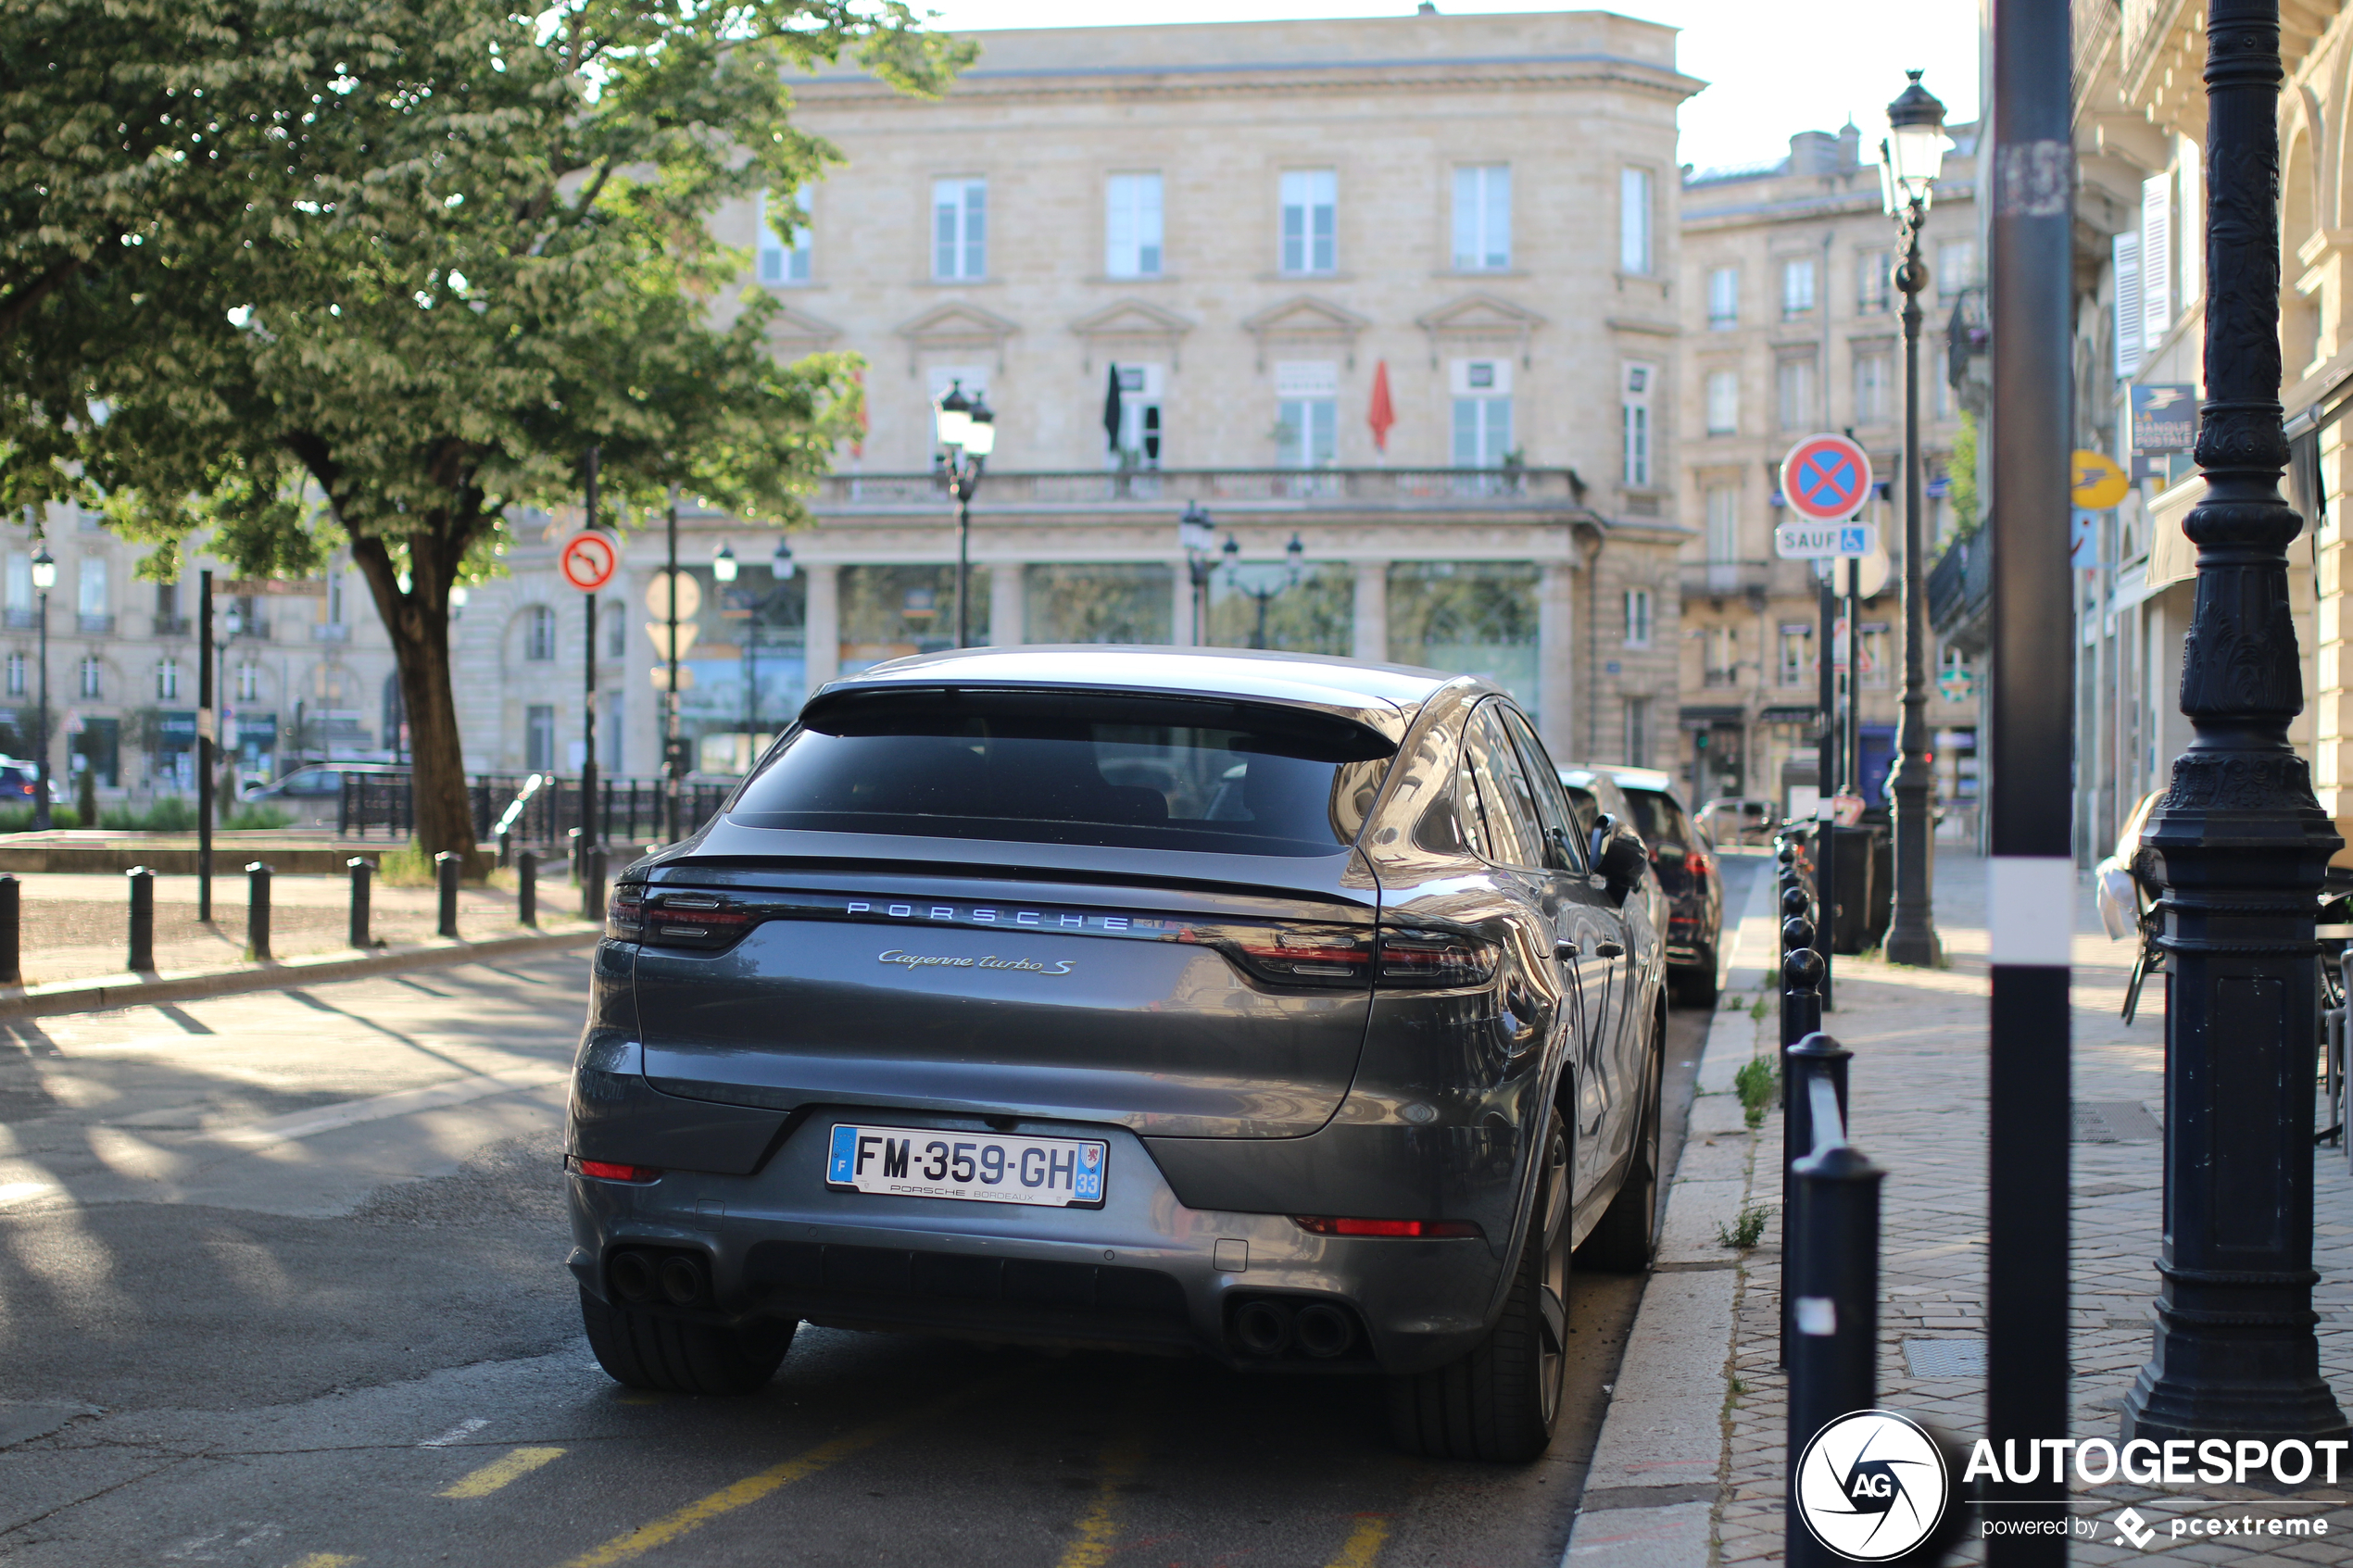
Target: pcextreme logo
(1871, 1486)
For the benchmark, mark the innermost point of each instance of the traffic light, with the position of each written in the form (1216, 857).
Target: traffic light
(674, 754)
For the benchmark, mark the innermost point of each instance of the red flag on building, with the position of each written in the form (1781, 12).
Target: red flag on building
(1381, 416)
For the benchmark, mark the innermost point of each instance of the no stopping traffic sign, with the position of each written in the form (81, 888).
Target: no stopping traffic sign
(1826, 478)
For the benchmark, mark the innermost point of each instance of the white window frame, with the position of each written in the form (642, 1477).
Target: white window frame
(1723, 524)
(1723, 402)
(1956, 267)
(1637, 388)
(1483, 216)
(1641, 625)
(249, 682)
(1797, 637)
(15, 674)
(782, 264)
(1874, 283)
(1636, 222)
(960, 228)
(1723, 298)
(1310, 230)
(1638, 732)
(1874, 376)
(167, 680)
(1133, 225)
(94, 678)
(539, 633)
(90, 586)
(1801, 286)
(1795, 412)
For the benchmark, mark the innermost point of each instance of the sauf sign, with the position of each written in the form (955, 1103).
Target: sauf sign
(1813, 540)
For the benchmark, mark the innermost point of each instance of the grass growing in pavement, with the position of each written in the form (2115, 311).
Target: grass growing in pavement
(1757, 1081)
(1744, 1232)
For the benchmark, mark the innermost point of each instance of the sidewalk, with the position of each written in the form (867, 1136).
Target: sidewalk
(1688, 1467)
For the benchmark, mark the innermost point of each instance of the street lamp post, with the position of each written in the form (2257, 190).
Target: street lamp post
(1292, 553)
(1198, 537)
(724, 569)
(674, 755)
(44, 577)
(1909, 161)
(2239, 845)
(968, 430)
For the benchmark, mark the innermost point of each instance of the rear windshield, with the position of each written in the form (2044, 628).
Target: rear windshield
(1656, 817)
(1058, 768)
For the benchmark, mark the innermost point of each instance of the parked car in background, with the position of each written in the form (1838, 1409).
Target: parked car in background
(1738, 820)
(1684, 858)
(312, 795)
(20, 782)
(1594, 794)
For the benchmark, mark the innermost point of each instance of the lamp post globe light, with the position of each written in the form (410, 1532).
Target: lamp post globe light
(1909, 161)
(2239, 845)
(725, 569)
(968, 431)
(1293, 553)
(44, 577)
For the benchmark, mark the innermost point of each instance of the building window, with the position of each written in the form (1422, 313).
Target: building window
(15, 674)
(19, 590)
(1793, 393)
(92, 682)
(1870, 387)
(1634, 423)
(1797, 653)
(1874, 283)
(1140, 423)
(248, 682)
(1638, 618)
(784, 260)
(1483, 217)
(539, 738)
(1874, 652)
(1131, 226)
(1311, 205)
(1723, 402)
(168, 681)
(1482, 411)
(959, 229)
(1638, 732)
(1798, 287)
(1956, 267)
(1720, 656)
(1634, 221)
(92, 596)
(1723, 298)
(1724, 522)
(539, 633)
(1306, 413)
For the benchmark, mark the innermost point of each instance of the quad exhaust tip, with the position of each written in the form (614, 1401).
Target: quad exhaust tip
(1266, 1327)
(639, 1277)
(1324, 1331)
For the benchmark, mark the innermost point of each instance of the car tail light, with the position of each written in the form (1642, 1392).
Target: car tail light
(1698, 864)
(705, 921)
(625, 913)
(1297, 955)
(1434, 959)
(606, 1171)
(1425, 1229)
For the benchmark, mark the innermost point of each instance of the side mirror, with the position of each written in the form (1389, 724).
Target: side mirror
(1618, 855)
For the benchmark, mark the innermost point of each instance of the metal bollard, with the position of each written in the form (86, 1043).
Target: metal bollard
(574, 845)
(527, 887)
(1796, 909)
(143, 920)
(506, 847)
(11, 951)
(1834, 1354)
(1816, 1057)
(1801, 971)
(258, 909)
(446, 866)
(592, 883)
(361, 873)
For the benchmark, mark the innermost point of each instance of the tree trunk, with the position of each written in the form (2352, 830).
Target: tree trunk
(418, 620)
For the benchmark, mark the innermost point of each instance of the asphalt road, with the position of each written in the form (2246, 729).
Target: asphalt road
(280, 1287)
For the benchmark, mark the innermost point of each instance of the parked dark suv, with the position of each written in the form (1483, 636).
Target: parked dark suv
(1684, 858)
(1260, 1006)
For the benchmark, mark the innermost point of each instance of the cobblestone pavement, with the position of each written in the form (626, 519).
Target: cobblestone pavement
(1918, 1108)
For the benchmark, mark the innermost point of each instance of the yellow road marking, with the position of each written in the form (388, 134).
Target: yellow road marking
(751, 1489)
(326, 1560)
(1363, 1542)
(499, 1472)
(1098, 1526)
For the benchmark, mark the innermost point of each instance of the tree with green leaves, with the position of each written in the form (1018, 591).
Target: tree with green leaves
(474, 243)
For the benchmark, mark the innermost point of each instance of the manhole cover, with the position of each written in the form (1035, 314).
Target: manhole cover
(1944, 1358)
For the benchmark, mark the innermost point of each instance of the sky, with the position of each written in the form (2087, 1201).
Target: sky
(1773, 66)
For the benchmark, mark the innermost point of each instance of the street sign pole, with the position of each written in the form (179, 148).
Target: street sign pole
(1826, 774)
(1852, 572)
(588, 698)
(2030, 877)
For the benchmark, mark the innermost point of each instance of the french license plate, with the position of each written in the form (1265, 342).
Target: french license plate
(977, 1167)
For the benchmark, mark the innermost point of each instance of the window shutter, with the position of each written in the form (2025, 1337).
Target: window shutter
(2157, 259)
(2126, 249)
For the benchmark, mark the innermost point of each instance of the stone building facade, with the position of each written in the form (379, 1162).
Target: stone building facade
(1394, 300)
(1793, 325)
(307, 674)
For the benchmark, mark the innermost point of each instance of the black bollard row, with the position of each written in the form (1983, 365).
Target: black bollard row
(1801, 1006)
(446, 866)
(143, 920)
(527, 887)
(258, 909)
(360, 874)
(11, 951)
(592, 883)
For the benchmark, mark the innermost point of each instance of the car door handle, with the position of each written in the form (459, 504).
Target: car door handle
(1610, 949)
(1565, 951)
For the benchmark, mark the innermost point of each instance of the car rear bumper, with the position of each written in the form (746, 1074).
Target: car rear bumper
(1141, 1273)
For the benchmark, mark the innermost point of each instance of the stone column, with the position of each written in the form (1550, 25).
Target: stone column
(1180, 606)
(1369, 637)
(1008, 604)
(822, 636)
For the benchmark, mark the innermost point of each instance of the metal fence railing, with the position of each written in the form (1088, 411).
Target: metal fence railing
(535, 809)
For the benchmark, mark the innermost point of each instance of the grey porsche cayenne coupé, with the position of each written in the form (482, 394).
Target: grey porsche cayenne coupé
(1264, 1007)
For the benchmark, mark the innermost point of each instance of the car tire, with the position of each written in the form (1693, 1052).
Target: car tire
(1500, 1402)
(672, 1356)
(1696, 986)
(1624, 1241)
